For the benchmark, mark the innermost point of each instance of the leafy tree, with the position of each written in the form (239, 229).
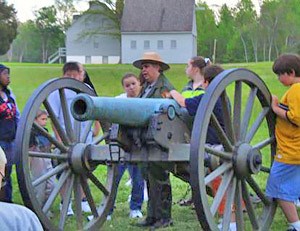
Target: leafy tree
(246, 17)
(226, 30)
(112, 10)
(8, 26)
(206, 30)
(51, 34)
(26, 47)
(271, 15)
(65, 10)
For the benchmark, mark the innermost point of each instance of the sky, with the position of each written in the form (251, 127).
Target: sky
(25, 8)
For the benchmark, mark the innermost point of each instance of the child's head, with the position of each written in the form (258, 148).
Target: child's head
(196, 65)
(131, 84)
(287, 63)
(73, 70)
(41, 117)
(210, 72)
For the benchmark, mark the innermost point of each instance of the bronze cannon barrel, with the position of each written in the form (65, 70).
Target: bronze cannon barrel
(135, 112)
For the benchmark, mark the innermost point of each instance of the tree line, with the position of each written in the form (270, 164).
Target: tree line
(231, 34)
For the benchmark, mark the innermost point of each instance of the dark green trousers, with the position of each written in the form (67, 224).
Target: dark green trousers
(159, 191)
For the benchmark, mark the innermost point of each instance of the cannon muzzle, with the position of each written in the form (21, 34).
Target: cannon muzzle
(134, 112)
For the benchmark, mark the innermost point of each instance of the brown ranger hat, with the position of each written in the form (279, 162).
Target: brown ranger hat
(151, 57)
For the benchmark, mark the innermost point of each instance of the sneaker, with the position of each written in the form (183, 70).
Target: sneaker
(291, 228)
(297, 203)
(232, 226)
(135, 214)
(90, 217)
(128, 183)
(85, 207)
(254, 199)
(70, 210)
(108, 218)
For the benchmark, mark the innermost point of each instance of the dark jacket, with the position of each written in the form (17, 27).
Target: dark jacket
(162, 84)
(8, 117)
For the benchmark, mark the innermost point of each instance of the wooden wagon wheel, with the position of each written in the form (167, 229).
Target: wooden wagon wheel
(71, 162)
(239, 171)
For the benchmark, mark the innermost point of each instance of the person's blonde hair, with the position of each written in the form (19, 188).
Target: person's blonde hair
(3, 160)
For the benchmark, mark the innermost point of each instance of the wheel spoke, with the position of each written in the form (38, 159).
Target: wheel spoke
(87, 130)
(66, 202)
(237, 109)
(98, 184)
(230, 194)
(239, 206)
(66, 115)
(56, 123)
(256, 124)
(221, 134)
(264, 143)
(226, 179)
(77, 130)
(77, 196)
(258, 191)
(217, 172)
(49, 155)
(64, 176)
(54, 141)
(100, 138)
(49, 174)
(265, 169)
(89, 196)
(227, 116)
(249, 206)
(248, 112)
(223, 155)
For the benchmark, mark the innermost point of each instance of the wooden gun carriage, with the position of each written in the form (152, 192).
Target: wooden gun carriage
(155, 130)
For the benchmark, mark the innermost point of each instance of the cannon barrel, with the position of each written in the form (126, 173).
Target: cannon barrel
(135, 112)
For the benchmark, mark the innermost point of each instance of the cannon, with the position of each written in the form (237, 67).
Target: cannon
(155, 131)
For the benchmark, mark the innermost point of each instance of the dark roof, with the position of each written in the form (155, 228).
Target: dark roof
(158, 15)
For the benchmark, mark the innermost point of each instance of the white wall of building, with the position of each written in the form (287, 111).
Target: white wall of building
(180, 53)
(94, 59)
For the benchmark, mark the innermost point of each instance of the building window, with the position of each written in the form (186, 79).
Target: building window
(105, 59)
(133, 44)
(160, 44)
(96, 45)
(173, 44)
(88, 59)
(146, 44)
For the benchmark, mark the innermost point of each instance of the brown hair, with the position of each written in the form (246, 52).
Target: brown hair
(199, 61)
(41, 112)
(286, 63)
(211, 71)
(128, 75)
(71, 66)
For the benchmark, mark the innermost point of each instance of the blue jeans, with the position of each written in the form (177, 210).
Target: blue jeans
(8, 148)
(137, 191)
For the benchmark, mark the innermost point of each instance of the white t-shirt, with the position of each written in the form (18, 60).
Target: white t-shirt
(55, 103)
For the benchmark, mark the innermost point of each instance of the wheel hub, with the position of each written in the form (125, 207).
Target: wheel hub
(248, 160)
(78, 158)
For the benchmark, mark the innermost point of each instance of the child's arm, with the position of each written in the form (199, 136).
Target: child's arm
(178, 97)
(278, 110)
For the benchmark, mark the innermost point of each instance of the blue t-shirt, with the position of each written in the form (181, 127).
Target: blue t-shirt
(192, 106)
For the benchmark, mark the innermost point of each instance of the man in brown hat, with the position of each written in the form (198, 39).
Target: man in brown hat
(158, 180)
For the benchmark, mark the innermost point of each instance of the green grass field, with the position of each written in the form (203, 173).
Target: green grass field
(25, 78)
